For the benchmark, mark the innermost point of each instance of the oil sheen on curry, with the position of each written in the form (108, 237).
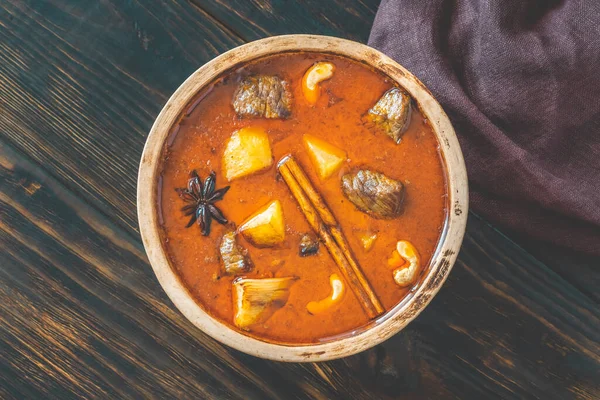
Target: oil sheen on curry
(302, 196)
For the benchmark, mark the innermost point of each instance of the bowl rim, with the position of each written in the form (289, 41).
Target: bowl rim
(394, 319)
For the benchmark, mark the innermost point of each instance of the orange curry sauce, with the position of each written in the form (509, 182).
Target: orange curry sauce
(336, 117)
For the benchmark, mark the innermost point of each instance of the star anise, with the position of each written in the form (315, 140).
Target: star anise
(201, 198)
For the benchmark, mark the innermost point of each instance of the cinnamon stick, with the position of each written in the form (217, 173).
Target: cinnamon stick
(328, 218)
(325, 225)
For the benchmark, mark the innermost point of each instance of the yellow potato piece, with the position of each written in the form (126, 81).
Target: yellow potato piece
(325, 157)
(338, 288)
(316, 74)
(266, 227)
(247, 151)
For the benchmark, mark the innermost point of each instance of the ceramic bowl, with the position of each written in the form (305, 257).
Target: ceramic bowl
(392, 321)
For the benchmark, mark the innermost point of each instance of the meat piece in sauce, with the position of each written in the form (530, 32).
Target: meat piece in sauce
(309, 245)
(374, 193)
(391, 113)
(234, 257)
(265, 96)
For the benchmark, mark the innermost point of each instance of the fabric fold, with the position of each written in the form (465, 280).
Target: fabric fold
(520, 82)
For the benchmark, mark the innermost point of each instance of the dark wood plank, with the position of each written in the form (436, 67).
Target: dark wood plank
(82, 84)
(581, 270)
(253, 20)
(82, 314)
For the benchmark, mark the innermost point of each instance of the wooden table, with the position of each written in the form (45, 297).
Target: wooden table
(82, 314)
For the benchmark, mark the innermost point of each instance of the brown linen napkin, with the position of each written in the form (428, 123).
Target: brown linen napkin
(520, 81)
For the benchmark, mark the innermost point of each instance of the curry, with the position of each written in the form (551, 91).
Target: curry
(301, 197)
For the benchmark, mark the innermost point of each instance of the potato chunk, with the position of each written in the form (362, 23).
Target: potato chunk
(247, 151)
(325, 157)
(266, 227)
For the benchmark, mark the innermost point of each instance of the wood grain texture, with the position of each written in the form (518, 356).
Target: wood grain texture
(81, 85)
(581, 270)
(255, 19)
(82, 315)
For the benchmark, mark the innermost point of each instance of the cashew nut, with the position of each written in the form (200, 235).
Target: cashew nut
(406, 275)
(316, 74)
(338, 288)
